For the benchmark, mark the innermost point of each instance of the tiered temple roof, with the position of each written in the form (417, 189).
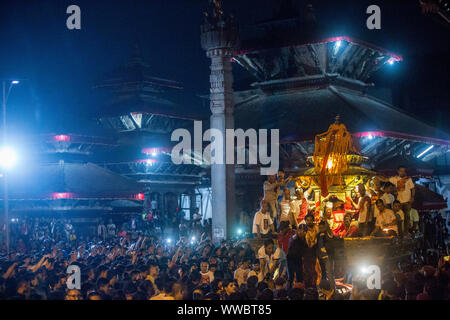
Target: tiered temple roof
(78, 188)
(144, 110)
(303, 79)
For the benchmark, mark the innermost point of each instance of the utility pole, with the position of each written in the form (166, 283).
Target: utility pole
(5, 175)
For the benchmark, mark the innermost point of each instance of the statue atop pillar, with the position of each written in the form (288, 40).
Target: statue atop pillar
(219, 30)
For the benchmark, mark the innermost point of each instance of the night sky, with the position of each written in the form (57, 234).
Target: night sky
(62, 65)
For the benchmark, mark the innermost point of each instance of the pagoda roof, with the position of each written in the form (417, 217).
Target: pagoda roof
(342, 55)
(69, 181)
(132, 88)
(300, 113)
(168, 104)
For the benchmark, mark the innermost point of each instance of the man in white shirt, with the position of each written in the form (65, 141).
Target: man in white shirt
(271, 187)
(68, 228)
(101, 231)
(207, 275)
(300, 204)
(241, 273)
(111, 227)
(413, 220)
(363, 206)
(386, 224)
(405, 191)
(387, 197)
(269, 257)
(262, 222)
(256, 271)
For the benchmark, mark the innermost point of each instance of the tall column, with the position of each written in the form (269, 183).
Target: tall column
(219, 39)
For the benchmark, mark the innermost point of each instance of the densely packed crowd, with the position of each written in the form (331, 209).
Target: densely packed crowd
(292, 257)
(133, 266)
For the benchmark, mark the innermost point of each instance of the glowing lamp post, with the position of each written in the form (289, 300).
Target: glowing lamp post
(7, 155)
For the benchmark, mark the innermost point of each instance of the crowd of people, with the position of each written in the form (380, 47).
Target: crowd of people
(380, 209)
(127, 265)
(133, 266)
(292, 257)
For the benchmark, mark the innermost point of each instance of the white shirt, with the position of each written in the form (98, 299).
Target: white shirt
(270, 260)
(363, 210)
(111, 229)
(404, 191)
(269, 190)
(207, 275)
(295, 205)
(386, 217)
(241, 275)
(414, 217)
(264, 221)
(388, 200)
(285, 208)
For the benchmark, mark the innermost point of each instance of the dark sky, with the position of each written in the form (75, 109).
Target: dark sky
(62, 65)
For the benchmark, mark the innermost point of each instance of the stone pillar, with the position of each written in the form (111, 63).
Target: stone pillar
(219, 40)
(192, 205)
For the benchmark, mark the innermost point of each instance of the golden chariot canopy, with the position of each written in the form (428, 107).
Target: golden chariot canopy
(331, 155)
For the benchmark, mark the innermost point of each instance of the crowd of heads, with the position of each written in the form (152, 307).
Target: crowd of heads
(134, 267)
(129, 260)
(138, 267)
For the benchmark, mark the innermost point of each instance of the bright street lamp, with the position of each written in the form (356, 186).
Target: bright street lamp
(8, 157)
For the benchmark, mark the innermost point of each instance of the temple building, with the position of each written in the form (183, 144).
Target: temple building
(63, 181)
(298, 79)
(143, 110)
(302, 79)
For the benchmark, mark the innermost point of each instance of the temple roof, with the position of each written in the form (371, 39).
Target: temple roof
(304, 75)
(133, 88)
(70, 180)
(306, 111)
(344, 56)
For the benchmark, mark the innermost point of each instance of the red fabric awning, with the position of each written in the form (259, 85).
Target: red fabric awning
(426, 200)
